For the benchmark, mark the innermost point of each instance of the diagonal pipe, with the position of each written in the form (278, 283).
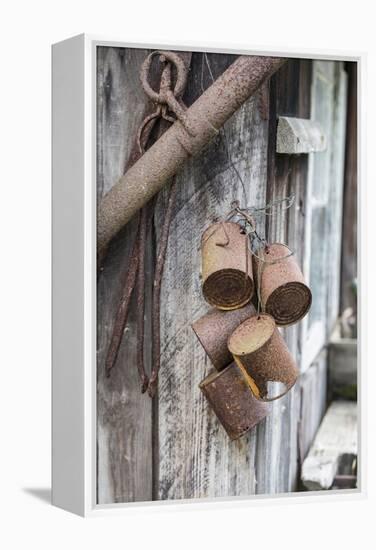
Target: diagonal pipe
(184, 139)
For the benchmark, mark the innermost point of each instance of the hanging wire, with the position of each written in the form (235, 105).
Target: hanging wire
(245, 216)
(236, 211)
(268, 210)
(222, 132)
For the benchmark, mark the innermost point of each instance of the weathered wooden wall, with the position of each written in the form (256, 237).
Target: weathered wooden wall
(124, 432)
(174, 448)
(195, 456)
(278, 458)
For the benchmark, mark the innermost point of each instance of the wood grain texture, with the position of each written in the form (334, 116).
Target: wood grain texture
(124, 426)
(319, 228)
(313, 391)
(335, 202)
(349, 240)
(336, 438)
(278, 454)
(196, 458)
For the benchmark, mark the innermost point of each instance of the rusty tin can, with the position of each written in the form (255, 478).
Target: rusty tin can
(226, 266)
(214, 329)
(232, 401)
(283, 291)
(264, 358)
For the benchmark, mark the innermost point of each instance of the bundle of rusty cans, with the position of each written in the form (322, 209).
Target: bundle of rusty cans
(252, 363)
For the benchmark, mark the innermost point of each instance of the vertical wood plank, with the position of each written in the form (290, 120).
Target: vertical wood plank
(124, 423)
(335, 205)
(324, 207)
(196, 458)
(317, 235)
(277, 456)
(349, 240)
(313, 384)
(324, 222)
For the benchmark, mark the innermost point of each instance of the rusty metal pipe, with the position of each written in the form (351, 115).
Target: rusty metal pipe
(203, 120)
